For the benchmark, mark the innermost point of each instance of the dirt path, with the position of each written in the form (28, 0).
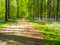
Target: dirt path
(20, 33)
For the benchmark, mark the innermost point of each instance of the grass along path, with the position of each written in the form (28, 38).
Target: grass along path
(51, 32)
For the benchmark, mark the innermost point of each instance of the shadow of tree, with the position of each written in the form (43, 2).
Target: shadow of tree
(23, 40)
(20, 40)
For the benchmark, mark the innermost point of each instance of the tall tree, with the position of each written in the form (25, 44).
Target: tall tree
(41, 3)
(57, 10)
(49, 9)
(6, 12)
(17, 2)
(8, 8)
(7, 15)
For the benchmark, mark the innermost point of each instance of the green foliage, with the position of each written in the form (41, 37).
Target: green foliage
(29, 8)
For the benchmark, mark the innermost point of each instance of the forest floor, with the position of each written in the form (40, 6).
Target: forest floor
(20, 33)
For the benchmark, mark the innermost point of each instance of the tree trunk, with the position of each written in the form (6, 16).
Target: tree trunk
(7, 15)
(41, 9)
(6, 12)
(8, 9)
(57, 10)
(17, 1)
(49, 8)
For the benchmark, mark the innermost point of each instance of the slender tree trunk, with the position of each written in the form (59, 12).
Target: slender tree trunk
(41, 9)
(8, 9)
(7, 15)
(17, 1)
(6, 12)
(49, 8)
(33, 9)
(53, 13)
(57, 10)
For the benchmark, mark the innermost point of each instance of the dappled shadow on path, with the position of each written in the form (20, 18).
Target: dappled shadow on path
(20, 40)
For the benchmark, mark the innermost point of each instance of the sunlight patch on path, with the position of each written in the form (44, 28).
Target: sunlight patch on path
(2, 43)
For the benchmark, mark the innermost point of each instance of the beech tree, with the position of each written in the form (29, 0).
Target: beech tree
(6, 7)
(57, 16)
(17, 2)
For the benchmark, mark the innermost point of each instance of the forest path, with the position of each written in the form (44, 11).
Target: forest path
(21, 32)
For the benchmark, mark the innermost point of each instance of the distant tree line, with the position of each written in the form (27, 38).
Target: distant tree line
(32, 9)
